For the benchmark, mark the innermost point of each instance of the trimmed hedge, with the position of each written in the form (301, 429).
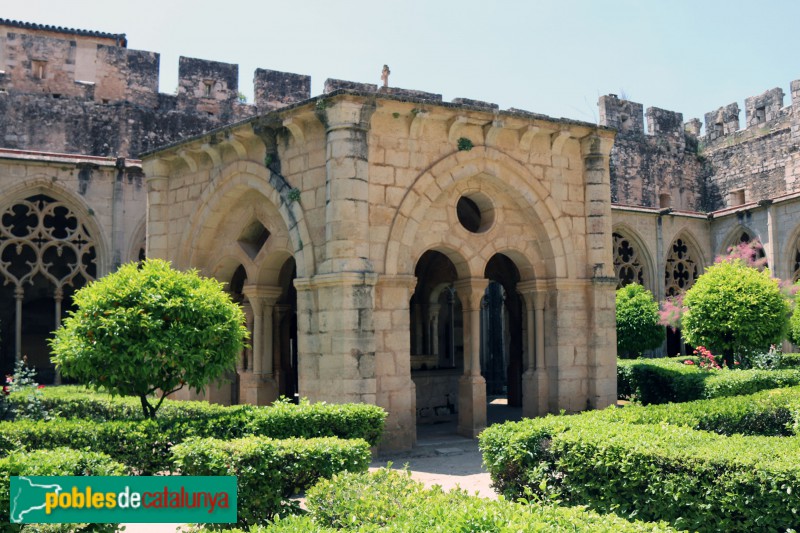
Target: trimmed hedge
(771, 412)
(57, 462)
(655, 381)
(645, 463)
(389, 500)
(270, 471)
(141, 445)
(193, 418)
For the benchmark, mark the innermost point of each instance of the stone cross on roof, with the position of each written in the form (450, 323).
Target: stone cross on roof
(385, 75)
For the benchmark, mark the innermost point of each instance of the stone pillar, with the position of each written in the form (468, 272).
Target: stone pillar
(433, 336)
(336, 337)
(19, 294)
(602, 349)
(279, 312)
(158, 209)
(396, 391)
(601, 336)
(772, 250)
(347, 187)
(471, 386)
(258, 386)
(535, 377)
(58, 297)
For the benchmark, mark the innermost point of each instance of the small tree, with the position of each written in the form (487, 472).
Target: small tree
(735, 310)
(148, 328)
(637, 321)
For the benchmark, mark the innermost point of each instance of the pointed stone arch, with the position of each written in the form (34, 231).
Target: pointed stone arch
(683, 264)
(235, 182)
(632, 259)
(791, 255)
(740, 234)
(503, 173)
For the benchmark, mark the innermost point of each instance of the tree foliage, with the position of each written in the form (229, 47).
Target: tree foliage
(735, 310)
(638, 326)
(794, 321)
(148, 328)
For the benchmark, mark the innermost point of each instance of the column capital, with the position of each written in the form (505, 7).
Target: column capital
(533, 293)
(266, 294)
(470, 291)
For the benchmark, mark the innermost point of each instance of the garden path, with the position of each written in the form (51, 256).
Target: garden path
(440, 458)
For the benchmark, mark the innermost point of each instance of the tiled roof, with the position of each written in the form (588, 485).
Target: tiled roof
(118, 37)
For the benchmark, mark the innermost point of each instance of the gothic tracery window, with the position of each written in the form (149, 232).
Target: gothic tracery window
(45, 251)
(796, 266)
(681, 269)
(627, 265)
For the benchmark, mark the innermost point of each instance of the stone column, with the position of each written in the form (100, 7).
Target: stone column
(259, 387)
(347, 186)
(277, 317)
(336, 337)
(58, 297)
(158, 212)
(396, 391)
(19, 294)
(433, 336)
(601, 336)
(535, 377)
(772, 250)
(471, 386)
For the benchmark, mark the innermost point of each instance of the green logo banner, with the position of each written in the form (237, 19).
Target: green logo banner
(136, 499)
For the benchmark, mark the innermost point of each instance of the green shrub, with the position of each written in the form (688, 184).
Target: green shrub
(790, 360)
(734, 309)
(389, 500)
(56, 462)
(693, 479)
(141, 445)
(766, 413)
(663, 380)
(270, 471)
(645, 463)
(637, 321)
(191, 418)
(146, 328)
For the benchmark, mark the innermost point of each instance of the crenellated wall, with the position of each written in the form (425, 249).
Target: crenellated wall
(77, 91)
(757, 162)
(657, 169)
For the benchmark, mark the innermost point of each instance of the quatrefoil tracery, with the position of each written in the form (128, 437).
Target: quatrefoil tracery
(40, 235)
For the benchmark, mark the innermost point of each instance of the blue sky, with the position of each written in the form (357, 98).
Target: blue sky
(551, 57)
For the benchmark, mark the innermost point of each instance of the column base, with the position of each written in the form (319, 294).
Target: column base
(534, 394)
(257, 389)
(471, 406)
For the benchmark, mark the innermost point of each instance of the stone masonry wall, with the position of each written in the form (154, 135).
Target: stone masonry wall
(86, 93)
(659, 169)
(754, 163)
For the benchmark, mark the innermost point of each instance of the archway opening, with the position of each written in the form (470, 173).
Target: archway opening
(286, 332)
(680, 273)
(501, 332)
(437, 339)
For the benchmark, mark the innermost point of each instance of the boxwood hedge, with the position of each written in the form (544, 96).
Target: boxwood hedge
(389, 500)
(56, 462)
(193, 418)
(652, 463)
(270, 471)
(663, 380)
